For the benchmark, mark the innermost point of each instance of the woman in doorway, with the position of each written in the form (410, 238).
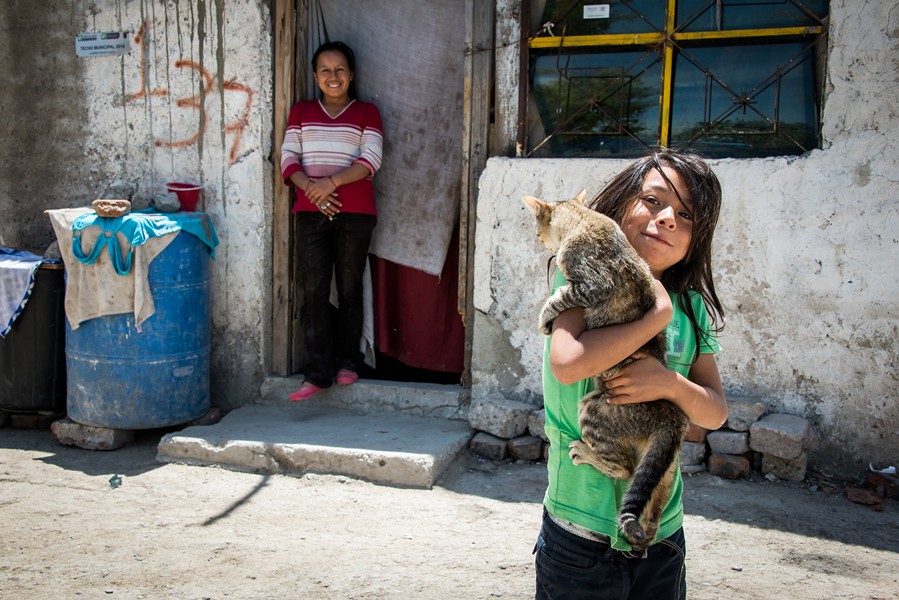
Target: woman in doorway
(332, 148)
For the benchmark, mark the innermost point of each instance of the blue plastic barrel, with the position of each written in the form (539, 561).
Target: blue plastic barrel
(124, 379)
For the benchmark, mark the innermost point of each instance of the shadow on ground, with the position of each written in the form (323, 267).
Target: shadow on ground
(505, 481)
(821, 513)
(130, 460)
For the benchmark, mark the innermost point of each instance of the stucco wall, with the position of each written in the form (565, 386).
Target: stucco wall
(805, 259)
(190, 102)
(42, 110)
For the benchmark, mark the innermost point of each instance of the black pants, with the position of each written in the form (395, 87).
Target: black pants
(570, 567)
(339, 247)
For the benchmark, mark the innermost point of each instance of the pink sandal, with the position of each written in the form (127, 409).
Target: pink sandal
(306, 391)
(346, 377)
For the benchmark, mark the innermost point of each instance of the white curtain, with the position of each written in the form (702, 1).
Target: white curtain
(409, 62)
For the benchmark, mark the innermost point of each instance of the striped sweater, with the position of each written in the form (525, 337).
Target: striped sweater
(319, 145)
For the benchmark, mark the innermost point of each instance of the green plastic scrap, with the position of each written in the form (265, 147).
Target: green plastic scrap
(115, 481)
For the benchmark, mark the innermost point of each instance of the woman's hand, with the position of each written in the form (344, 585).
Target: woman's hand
(321, 193)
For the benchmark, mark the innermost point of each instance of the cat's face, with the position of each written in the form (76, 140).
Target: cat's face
(543, 211)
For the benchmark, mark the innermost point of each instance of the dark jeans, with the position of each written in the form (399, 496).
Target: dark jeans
(570, 567)
(325, 247)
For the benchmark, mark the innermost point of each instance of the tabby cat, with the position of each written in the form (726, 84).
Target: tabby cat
(613, 284)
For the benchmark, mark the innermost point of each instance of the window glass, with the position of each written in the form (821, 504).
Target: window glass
(586, 18)
(598, 104)
(756, 100)
(704, 15)
(734, 78)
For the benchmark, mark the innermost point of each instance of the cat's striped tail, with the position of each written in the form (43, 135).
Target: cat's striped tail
(661, 451)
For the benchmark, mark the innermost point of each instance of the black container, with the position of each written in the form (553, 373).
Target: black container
(32, 355)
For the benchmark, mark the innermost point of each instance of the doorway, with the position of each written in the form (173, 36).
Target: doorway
(410, 63)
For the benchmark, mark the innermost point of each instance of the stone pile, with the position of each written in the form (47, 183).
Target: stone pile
(507, 428)
(774, 444)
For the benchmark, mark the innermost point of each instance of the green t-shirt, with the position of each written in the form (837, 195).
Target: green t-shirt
(580, 493)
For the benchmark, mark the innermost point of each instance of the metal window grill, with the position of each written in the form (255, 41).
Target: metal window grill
(675, 40)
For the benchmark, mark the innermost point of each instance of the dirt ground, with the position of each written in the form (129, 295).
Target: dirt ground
(174, 531)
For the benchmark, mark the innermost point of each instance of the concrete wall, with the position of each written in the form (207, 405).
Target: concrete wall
(43, 105)
(805, 250)
(806, 254)
(191, 101)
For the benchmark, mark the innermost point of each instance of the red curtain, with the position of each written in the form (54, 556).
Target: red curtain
(416, 319)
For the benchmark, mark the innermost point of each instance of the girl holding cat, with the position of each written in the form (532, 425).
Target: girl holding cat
(667, 204)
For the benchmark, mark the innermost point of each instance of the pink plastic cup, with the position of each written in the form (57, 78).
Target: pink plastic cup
(188, 194)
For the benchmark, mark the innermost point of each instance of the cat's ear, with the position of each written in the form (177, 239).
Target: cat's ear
(581, 198)
(536, 205)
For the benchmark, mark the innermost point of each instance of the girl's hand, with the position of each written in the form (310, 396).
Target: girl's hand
(701, 396)
(323, 193)
(643, 380)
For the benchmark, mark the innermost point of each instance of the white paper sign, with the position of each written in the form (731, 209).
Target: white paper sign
(596, 11)
(104, 43)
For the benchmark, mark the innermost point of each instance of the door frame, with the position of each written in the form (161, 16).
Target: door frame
(477, 88)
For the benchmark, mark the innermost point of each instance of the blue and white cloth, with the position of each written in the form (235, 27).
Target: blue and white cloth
(17, 271)
(136, 228)
(114, 285)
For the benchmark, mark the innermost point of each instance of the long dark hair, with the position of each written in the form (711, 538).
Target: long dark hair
(694, 271)
(347, 54)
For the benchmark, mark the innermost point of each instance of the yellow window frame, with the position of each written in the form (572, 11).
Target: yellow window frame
(668, 40)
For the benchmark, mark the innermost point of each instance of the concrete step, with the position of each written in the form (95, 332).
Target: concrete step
(319, 436)
(373, 396)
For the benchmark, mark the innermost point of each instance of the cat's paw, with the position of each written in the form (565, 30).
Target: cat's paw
(582, 454)
(578, 452)
(615, 471)
(546, 327)
(575, 450)
(552, 308)
(545, 321)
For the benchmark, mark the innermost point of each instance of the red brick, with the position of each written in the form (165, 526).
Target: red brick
(488, 446)
(696, 434)
(526, 447)
(789, 469)
(729, 466)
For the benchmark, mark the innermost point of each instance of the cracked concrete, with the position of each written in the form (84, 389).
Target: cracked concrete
(381, 432)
